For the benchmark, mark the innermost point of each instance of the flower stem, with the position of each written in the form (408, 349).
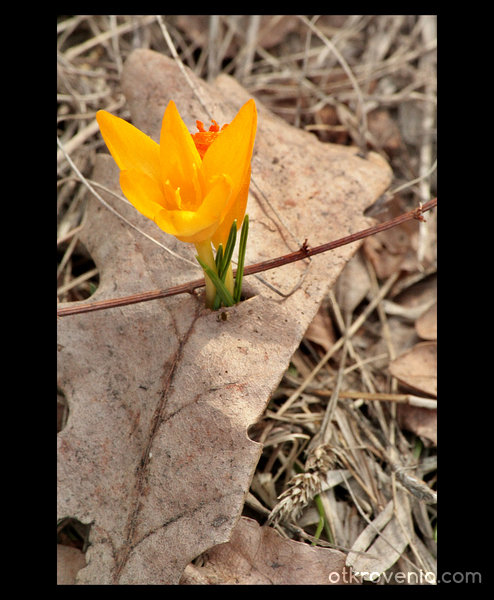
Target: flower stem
(205, 252)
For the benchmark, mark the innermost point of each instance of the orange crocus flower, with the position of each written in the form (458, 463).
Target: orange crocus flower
(191, 186)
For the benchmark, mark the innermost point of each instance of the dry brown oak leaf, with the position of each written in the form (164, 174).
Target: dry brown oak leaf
(260, 556)
(155, 453)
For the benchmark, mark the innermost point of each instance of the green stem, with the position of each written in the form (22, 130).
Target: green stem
(205, 252)
(322, 524)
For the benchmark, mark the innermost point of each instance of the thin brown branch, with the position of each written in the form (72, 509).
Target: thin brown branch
(304, 252)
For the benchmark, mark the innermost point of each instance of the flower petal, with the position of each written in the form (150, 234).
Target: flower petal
(180, 160)
(236, 211)
(200, 225)
(130, 148)
(142, 192)
(231, 152)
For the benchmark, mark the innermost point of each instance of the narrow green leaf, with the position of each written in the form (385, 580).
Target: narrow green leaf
(221, 288)
(237, 291)
(228, 253)
(219, 257)
(323, 523)
(217, 302)
(223, 259)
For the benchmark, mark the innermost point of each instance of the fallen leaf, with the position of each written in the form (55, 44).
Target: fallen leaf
(421, 421)
(320, 330)
(420, 293)
(426, 324)
(69, 562)
(155, 453)
(353, 284)
(417, 368)
(258, 555)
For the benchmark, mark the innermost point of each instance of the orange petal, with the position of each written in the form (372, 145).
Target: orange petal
(200, 225)
(178, 155)
(130, 148)
(231, 152)
(142, 192)
(237, 211)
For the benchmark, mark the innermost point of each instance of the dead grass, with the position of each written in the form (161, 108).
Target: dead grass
(336, 430)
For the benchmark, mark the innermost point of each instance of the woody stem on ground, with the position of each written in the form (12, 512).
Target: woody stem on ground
(304, 252)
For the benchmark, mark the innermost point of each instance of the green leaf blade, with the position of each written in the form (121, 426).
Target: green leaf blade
(237, 292)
